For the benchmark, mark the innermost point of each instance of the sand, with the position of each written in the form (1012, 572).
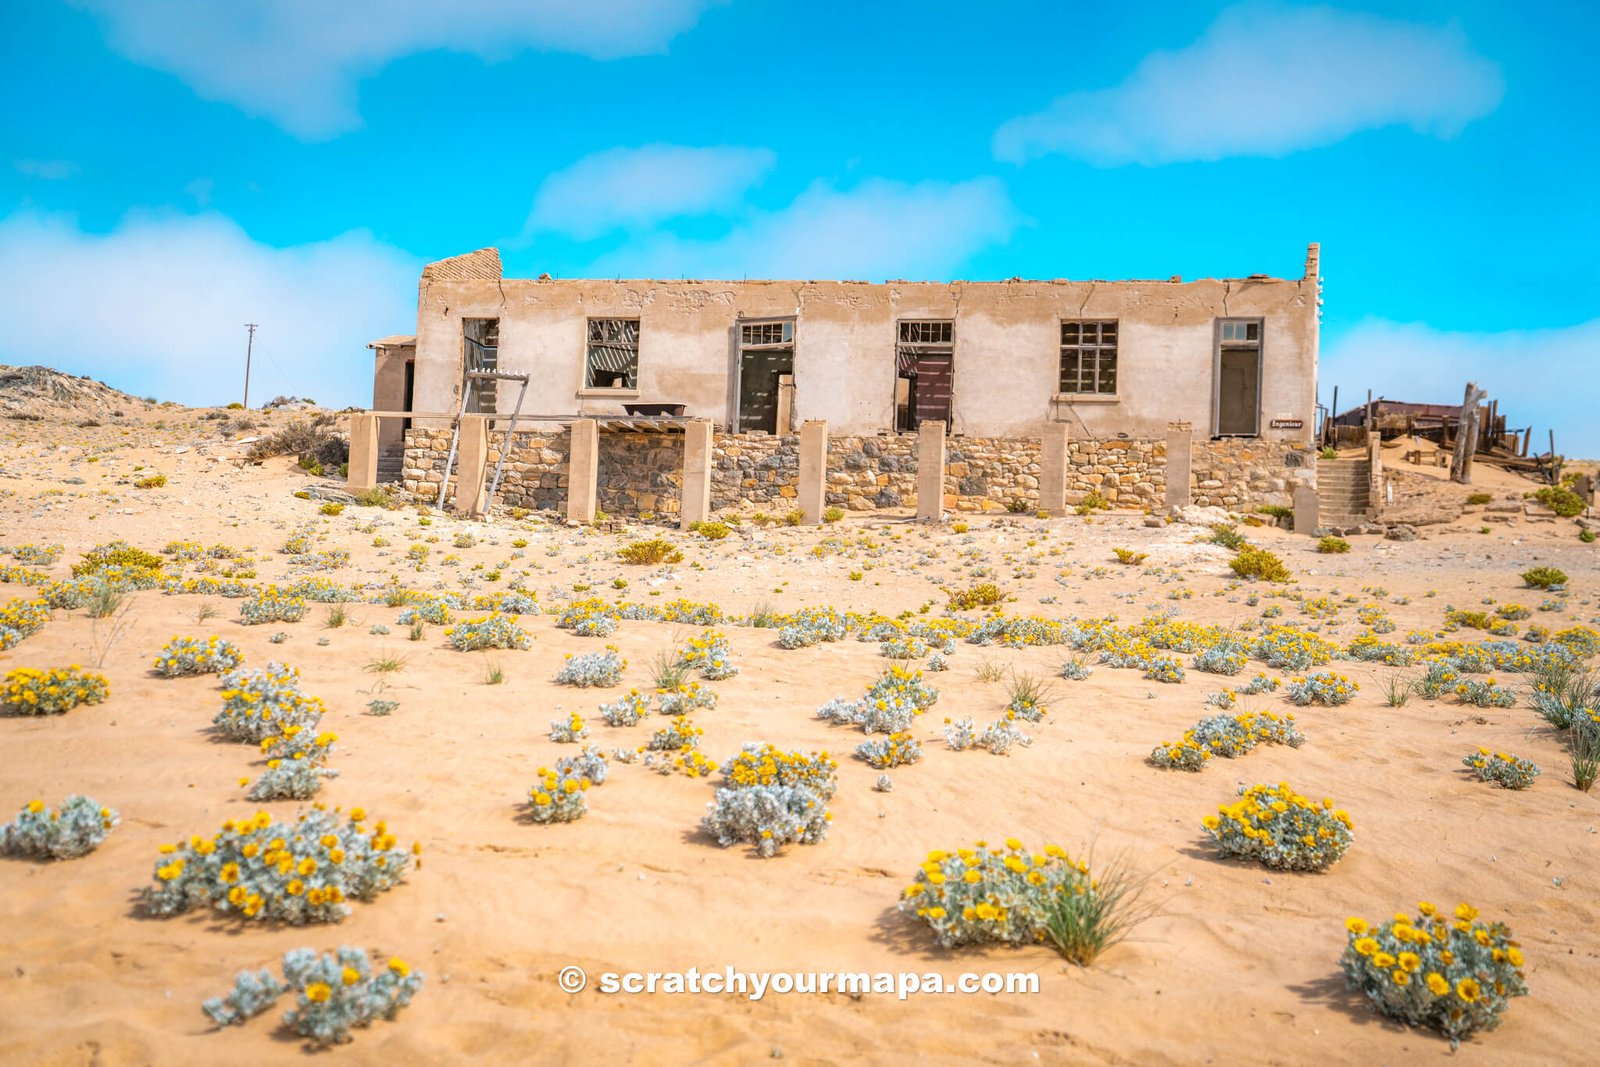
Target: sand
(1241, 965)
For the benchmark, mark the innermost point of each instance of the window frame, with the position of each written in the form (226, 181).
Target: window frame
(624, 391)
(1098, 348)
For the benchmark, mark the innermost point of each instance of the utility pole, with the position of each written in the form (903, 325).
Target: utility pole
(249, 348)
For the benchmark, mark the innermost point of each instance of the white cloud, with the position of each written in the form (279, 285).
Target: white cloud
(623, 188)
(879, 229)
(1543, 378)
(50, 170)
(158, 306)
(297, 62)
(1266, 80)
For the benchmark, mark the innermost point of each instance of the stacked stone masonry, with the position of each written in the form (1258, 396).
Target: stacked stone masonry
(640, 473)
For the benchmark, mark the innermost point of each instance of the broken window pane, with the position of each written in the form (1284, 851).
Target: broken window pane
(612, 361)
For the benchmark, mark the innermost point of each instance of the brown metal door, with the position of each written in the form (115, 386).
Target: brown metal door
(931, 394)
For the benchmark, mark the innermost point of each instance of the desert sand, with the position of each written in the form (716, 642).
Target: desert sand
(1241, 964)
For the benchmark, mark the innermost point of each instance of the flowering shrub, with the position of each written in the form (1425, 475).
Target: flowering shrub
(1280, 829)
(1453, 976)
(627, 711)
(678, 734)
(20, 619)
(29, 691)
(559, 794)
(1228, 736)
(265, 703)
(190, 655)
(898, 696)
(589, 669)
(1323, 687)
(893, 751)
(766, 765)
(979, 894)
(1503, 769)
(1225, 657)
(75, 829)
(299, 873)
(710, 655)
(1486, 694)
(685, 698)
(491, 631)
(768, 817)
(569, 730)
(1164, 669)
(340, 991)
(271, 605)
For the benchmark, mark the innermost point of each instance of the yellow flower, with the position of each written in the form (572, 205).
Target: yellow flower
(318, 992)
(1437, 985)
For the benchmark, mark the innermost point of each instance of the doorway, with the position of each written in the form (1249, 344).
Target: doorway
(1236, 402)
(766, 354)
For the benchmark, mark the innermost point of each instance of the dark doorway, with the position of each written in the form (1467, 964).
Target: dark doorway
(766, 353)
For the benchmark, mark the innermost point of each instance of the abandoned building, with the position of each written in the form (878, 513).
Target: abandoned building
(1115, 367)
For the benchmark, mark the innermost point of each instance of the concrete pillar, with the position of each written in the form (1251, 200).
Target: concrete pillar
(1180, 463)
(472, 457)
(1306, 506)
(1374, 475)
(930, 471)
(363, 451)
(813, 469)
(583, 471)
(1053, 455)
(697, 461)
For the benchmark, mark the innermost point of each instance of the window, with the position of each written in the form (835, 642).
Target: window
(766, 334)
(1089, 356)
(613, 355)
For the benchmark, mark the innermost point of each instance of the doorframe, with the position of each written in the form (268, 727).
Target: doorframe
(738, 360)
(1216, 371)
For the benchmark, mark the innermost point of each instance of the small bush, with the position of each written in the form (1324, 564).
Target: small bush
(647, 553)
(491, 631)
(29, 691)
(1331, 545)
(1454, 977)
(40, 832)
(1251, 562)
(1280, 829)
(1545, 577)
(1501, 768)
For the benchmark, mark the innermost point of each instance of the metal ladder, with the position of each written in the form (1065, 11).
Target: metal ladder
(467, 378)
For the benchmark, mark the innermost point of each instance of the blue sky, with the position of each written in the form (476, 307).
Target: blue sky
(177, 167)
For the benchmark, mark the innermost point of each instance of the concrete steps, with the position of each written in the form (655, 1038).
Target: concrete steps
(1343, 492)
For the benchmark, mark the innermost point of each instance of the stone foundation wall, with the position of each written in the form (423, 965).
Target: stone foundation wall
(1243, 472)
(642, 472)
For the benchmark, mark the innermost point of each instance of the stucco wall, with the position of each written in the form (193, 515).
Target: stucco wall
(1007, 350)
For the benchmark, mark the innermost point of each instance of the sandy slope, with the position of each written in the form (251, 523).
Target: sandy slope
(1241, 966)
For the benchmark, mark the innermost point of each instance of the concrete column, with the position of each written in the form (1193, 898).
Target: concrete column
(1306, 506)
(1053, 456)
(697, 460)
(472, 457)
(363, 451)
(1374, 475)
(813, 469)
(930, 471)
(583, 471)
(1180, 463)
